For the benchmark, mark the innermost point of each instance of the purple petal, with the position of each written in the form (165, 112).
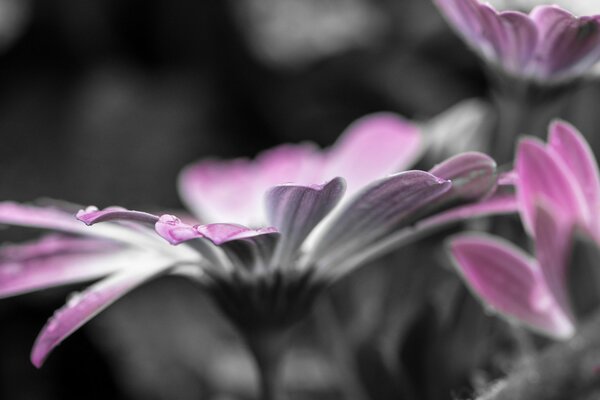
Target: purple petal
(543, 176)
(83, 307)
(553, 240)
(173, 230)
(573, 149)
(296, 210)
(38, 217)
(373, 147)
(92, 215)
(508, 38)
(382, 207)
(473, 175)
(223, 233)
(510, 282)
(57, 260)
(568, 45)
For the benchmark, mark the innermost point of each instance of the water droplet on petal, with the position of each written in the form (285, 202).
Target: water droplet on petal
(169, 219)
(74, 299)
(90, 209)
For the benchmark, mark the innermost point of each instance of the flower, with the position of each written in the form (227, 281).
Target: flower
(548, 44)
(558, 189)
(265, 248)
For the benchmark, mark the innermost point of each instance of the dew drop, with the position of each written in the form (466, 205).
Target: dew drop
(169, 219)
(74, 299)
(90, 209)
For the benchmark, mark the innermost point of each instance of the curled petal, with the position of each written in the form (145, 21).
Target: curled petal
(473, 175)
(296, 210)
(92, 215)
(373, 147)
(544, 176)
(84, 306)
(510, 282)
(382, 207)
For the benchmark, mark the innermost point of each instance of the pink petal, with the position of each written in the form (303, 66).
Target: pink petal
(211, 190)
(83, 307)
(373, 147)
(233, 190)
(92, 215)
(568, 45)
(381, 208)
(553, 241)
(173, 230)
(57, 260)
(223, 233)
(575, 152)
(509, 282)
(38, 217)
(296, 210)
(543, 176)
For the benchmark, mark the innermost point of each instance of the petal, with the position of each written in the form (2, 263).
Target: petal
(568, 45)
(55, 219)
(508, 38)
(473, 175)
(92, 215)
(373, 147)
(381, 208)
(518, 40)
(494, 205)
(173, 230)
(296, 210)
(224, 233)
(83, 307)
(38, 217)
(509, 282)
(544, 176)
(57, 261)
(233, 190)
(575, 152)
(220, 190)
(553, 241)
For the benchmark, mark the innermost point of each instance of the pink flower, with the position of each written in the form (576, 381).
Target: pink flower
(271, 239)
(558, 189)
(548, 44)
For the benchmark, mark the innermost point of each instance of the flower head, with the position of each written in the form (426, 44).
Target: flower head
(275, 230)
(558, 189)
(548, 44)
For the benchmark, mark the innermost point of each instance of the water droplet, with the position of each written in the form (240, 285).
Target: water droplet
(90, 209)
(52, 324)
(74, 299)
(169, 219)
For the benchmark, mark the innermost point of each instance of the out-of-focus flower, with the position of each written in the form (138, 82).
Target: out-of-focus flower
(558, 189)
(577, 7)
(548, 44)
(296, 238)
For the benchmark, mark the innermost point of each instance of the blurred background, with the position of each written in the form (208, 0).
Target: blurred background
(103, 102)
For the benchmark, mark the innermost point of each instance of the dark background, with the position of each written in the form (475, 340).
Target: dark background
(104, 101)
